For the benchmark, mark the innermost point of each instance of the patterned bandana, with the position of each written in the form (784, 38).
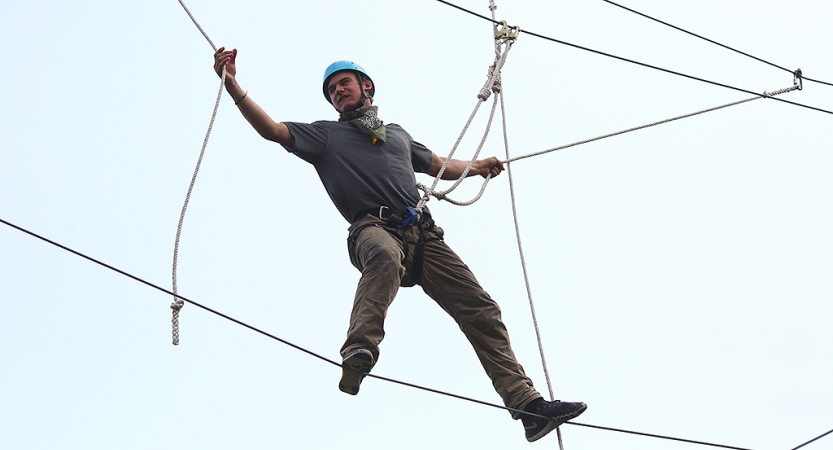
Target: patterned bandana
(367, 120)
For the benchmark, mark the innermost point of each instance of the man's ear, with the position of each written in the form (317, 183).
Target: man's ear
(367, 86)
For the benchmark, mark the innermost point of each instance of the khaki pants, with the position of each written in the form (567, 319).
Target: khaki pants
(384, 256)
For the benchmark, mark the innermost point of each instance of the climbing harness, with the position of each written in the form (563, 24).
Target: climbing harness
(395, 222)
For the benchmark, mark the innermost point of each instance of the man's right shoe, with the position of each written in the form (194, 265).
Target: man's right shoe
(557, 412)
(355, 366)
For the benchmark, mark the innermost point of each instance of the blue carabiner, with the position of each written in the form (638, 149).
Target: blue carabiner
(411, 217)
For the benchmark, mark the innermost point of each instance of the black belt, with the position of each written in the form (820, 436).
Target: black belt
(396, 217)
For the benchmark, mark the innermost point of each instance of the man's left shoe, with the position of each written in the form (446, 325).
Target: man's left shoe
(557, 412)
(355, 366)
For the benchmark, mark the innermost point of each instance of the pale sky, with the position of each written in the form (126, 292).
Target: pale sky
(681, 274)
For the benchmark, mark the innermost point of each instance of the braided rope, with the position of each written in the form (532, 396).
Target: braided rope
(476, 152)
(188, 11)
(178, 303)
(492, 85)
(500, 94)
(765, 94)
(574, 144)
(521, 251)
(430, 191)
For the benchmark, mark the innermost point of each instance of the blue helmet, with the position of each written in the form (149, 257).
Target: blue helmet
(340, 66)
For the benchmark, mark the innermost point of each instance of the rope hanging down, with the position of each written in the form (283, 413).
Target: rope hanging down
(505, 36)
(501, 36)
(178, 303)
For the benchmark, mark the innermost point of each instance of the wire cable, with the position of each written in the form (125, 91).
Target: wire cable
(316, 355)
(598, 52)
(812, 440)
(712, 41)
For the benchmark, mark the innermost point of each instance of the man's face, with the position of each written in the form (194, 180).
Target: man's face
(345, 91)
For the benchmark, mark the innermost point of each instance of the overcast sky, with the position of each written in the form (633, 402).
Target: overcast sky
(681, 274)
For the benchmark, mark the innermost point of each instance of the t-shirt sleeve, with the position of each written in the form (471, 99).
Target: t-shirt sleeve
(420, 157)
(310, 139)
(420, 154)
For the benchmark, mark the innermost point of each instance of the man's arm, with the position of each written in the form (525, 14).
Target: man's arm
(455, 168)
(256, 116)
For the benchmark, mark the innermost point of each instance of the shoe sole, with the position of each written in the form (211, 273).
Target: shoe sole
(555, 422)
(353, 371)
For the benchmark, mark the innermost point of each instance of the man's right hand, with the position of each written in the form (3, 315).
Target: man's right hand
(225, 58)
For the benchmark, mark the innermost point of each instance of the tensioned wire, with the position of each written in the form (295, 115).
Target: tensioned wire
(712, 41)
(316, 355)
(635, 62)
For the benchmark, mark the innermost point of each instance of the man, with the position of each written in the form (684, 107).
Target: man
(368, 169)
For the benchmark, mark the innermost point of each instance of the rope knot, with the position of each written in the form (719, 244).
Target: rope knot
(489, 87)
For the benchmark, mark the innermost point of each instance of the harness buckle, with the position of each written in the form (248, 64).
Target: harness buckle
(382, 214)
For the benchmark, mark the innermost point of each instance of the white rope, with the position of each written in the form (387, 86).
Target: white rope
(492, 85)
(178, 303)
(764, 95)
(476, 153)
(500, 93)
(523, 265)
(443, 196)
(188, 11)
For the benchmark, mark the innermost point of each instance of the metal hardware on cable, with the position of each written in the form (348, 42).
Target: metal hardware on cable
(506, 32)
(798, 79)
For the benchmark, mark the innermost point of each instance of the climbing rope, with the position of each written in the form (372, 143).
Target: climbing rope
(178, 303)
(505, 37)
(764, 95)
(442, 196)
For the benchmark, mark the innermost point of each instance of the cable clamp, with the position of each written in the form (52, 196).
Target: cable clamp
(798, 80)
(505, 32)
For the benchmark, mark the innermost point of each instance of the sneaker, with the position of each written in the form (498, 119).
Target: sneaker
(557, 411)
(355, 366)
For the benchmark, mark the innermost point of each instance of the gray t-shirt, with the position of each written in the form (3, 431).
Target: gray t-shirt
(358, 175)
